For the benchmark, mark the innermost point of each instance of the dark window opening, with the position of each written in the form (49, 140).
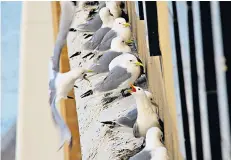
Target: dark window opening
(141, 10)
(152, 26)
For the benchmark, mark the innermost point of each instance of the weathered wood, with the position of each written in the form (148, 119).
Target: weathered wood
(159, 73)
(68, 106)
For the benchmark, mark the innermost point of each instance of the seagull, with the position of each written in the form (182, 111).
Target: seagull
(154, 146)
(120, 77)
(60, 85)
(129, 119)
(121, 29)
(114, 8)
(160, 153)
(146, 116)
(67, 13)
(94, 24)
(118, 46)
(100, 33)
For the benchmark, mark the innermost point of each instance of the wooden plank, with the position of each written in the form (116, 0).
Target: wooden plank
(165, 46)
(159, 73)
(68, 106)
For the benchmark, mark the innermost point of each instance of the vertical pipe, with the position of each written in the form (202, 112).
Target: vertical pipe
(221, 81)
(201, 82)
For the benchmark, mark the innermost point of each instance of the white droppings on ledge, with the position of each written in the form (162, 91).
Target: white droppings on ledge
(98, 141)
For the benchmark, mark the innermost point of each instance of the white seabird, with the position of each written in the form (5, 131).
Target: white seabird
(120, 77)
(120, 28)
(129, 119)
(118, 46)
(95, 23)
(154, 147)
(146, 115)
(59, 87)
(67, 13)
(97, 37)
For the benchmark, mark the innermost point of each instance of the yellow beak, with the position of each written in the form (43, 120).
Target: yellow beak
(126, 25)
(139, 64)
(89, 70)
(129, 41)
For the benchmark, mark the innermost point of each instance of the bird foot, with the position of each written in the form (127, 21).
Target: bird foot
(125, 93)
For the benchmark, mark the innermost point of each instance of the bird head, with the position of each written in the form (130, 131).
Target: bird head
(104, 14)
(118, 44)
(135, 90)
(114, 9)
(120, 23)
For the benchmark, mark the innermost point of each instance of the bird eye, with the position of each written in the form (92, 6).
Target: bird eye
(151, 99)
(119, 23)
(123, 41)
(130, 60)
(138, 88)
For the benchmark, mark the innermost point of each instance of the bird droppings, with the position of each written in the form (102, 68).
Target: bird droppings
(98, 141)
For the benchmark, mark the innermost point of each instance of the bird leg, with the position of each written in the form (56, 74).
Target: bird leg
(125, 92)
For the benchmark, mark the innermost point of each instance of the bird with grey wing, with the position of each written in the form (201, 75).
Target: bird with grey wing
(60, 85)
(154, 148)
(97, 37)
(118, 46)
(129, 119)
(146, 115)
(94, 23)
(67, 14)
(119, 78)
(120, 28)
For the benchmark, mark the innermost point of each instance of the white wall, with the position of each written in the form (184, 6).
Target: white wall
(37, 137)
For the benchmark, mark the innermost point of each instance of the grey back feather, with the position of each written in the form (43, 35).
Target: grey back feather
(106, 42)
(91, 26)
(96, 38)
(143, 155)
(103, 63)
(67, 13)
(114, 78)
(129, 119)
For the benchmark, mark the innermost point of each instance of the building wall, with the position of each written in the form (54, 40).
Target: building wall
(37, 137)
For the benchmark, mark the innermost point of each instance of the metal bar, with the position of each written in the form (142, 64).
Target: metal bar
(221, 81)
(184, 41)
(177, 88)
(201, 82)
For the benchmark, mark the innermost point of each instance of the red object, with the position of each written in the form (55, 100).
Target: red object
(133, 89)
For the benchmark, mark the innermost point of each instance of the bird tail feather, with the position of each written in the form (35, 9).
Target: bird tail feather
(65, 137)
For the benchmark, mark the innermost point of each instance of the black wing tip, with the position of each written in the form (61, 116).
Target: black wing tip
(108, 122)
(72, 30)
(75, 54)
(88, 93)
(87, 55)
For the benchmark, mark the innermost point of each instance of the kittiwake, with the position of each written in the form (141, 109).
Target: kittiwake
(153, 143)
(121, 29)
(146, 116)
(97, 37)
(129, 119)
(118, 46)
(120, 77)
(67, 13)
(60, 85)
